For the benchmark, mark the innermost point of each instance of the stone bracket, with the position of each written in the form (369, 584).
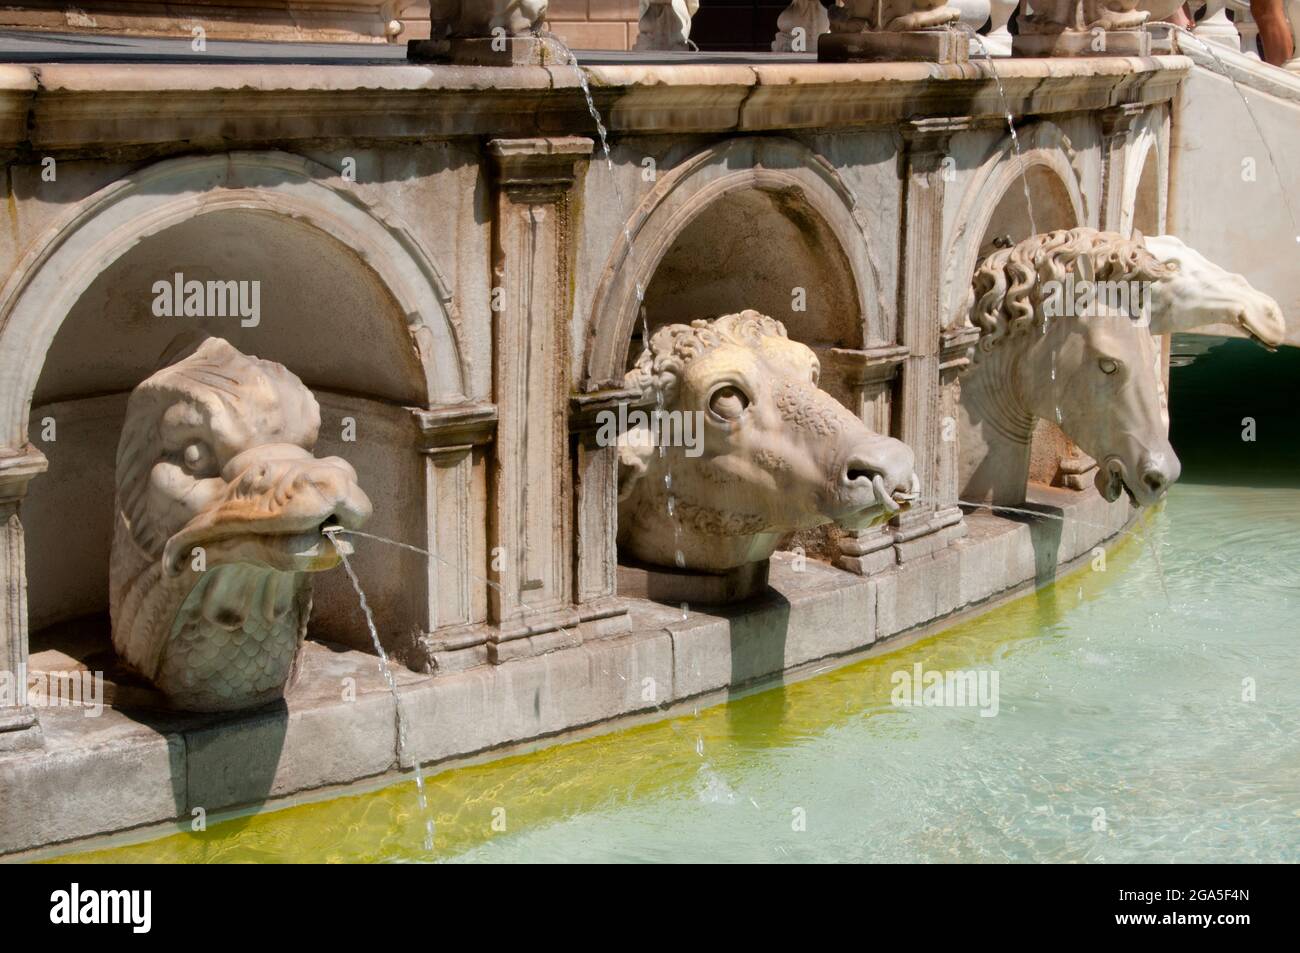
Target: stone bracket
(455, 427)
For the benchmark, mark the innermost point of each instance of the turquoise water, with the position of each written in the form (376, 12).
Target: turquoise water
(1129, 727)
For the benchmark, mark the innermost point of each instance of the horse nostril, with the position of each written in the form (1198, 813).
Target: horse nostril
(1154, 480)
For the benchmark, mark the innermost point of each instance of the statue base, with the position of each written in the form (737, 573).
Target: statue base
(675, 586)
(929, 46)
(1082, 43)
(490, 51)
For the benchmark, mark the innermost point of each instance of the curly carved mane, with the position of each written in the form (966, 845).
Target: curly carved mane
(671, 348)
(1006, 288)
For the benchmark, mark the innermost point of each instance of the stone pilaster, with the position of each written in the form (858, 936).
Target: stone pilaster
(530, 510)
(455, 443)
(19, 728)
(1116, 129)
(596, 491)
(930, 523)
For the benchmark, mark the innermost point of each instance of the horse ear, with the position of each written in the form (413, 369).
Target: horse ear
(635, 445)
(1138, 237)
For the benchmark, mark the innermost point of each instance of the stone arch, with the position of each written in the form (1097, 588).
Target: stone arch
(786, 171)
(99, 230)
(998, 190)
(1144, 199)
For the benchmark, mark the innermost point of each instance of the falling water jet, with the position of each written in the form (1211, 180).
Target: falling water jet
(386, 670)
(678, 557)
(1011, 122)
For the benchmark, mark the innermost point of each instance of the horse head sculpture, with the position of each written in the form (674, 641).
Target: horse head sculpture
(774, 453)
(1065, 339)
(220, 513)
(1198, 293)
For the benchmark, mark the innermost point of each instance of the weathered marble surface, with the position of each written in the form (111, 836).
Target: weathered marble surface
(774, 453)
(1094, 371)
(220, 508)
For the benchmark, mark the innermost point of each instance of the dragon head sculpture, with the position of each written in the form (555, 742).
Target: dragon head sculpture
(220, 512)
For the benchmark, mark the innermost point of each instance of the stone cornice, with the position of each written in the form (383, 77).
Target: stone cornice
(454, 428)
(118, 107)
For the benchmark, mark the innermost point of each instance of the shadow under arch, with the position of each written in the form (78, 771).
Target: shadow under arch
(792, 174)
(92, 235)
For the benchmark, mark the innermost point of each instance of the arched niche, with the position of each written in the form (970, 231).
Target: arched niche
(741, 224)
(1015, 195)
(1145, 172)
(348, 302)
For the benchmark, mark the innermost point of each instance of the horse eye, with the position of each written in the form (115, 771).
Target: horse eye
(1108, 366)
(728, 402)
(197, 457)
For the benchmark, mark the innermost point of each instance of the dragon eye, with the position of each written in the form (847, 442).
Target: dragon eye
(728, 402)
(1108, 366)
(197, 457)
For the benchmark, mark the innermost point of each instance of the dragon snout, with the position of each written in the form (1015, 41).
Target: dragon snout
(278, 503)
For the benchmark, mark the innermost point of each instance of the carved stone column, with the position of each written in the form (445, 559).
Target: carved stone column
(868, 376)
(19, 728)
(665, 24)
(955, 347)
(872, 30)
(933, 521)
(488, 33)
(530, 512)
(1083, 28)
(799, 26)
(454, 442)
(1116, 129)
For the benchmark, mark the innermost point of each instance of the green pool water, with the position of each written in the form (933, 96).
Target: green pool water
(1131, 726)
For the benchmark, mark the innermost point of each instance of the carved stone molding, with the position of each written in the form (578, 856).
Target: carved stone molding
(455, 427)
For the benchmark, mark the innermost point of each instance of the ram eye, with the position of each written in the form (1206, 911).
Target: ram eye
(197, 458)
(728, 402)
(1108, 366)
